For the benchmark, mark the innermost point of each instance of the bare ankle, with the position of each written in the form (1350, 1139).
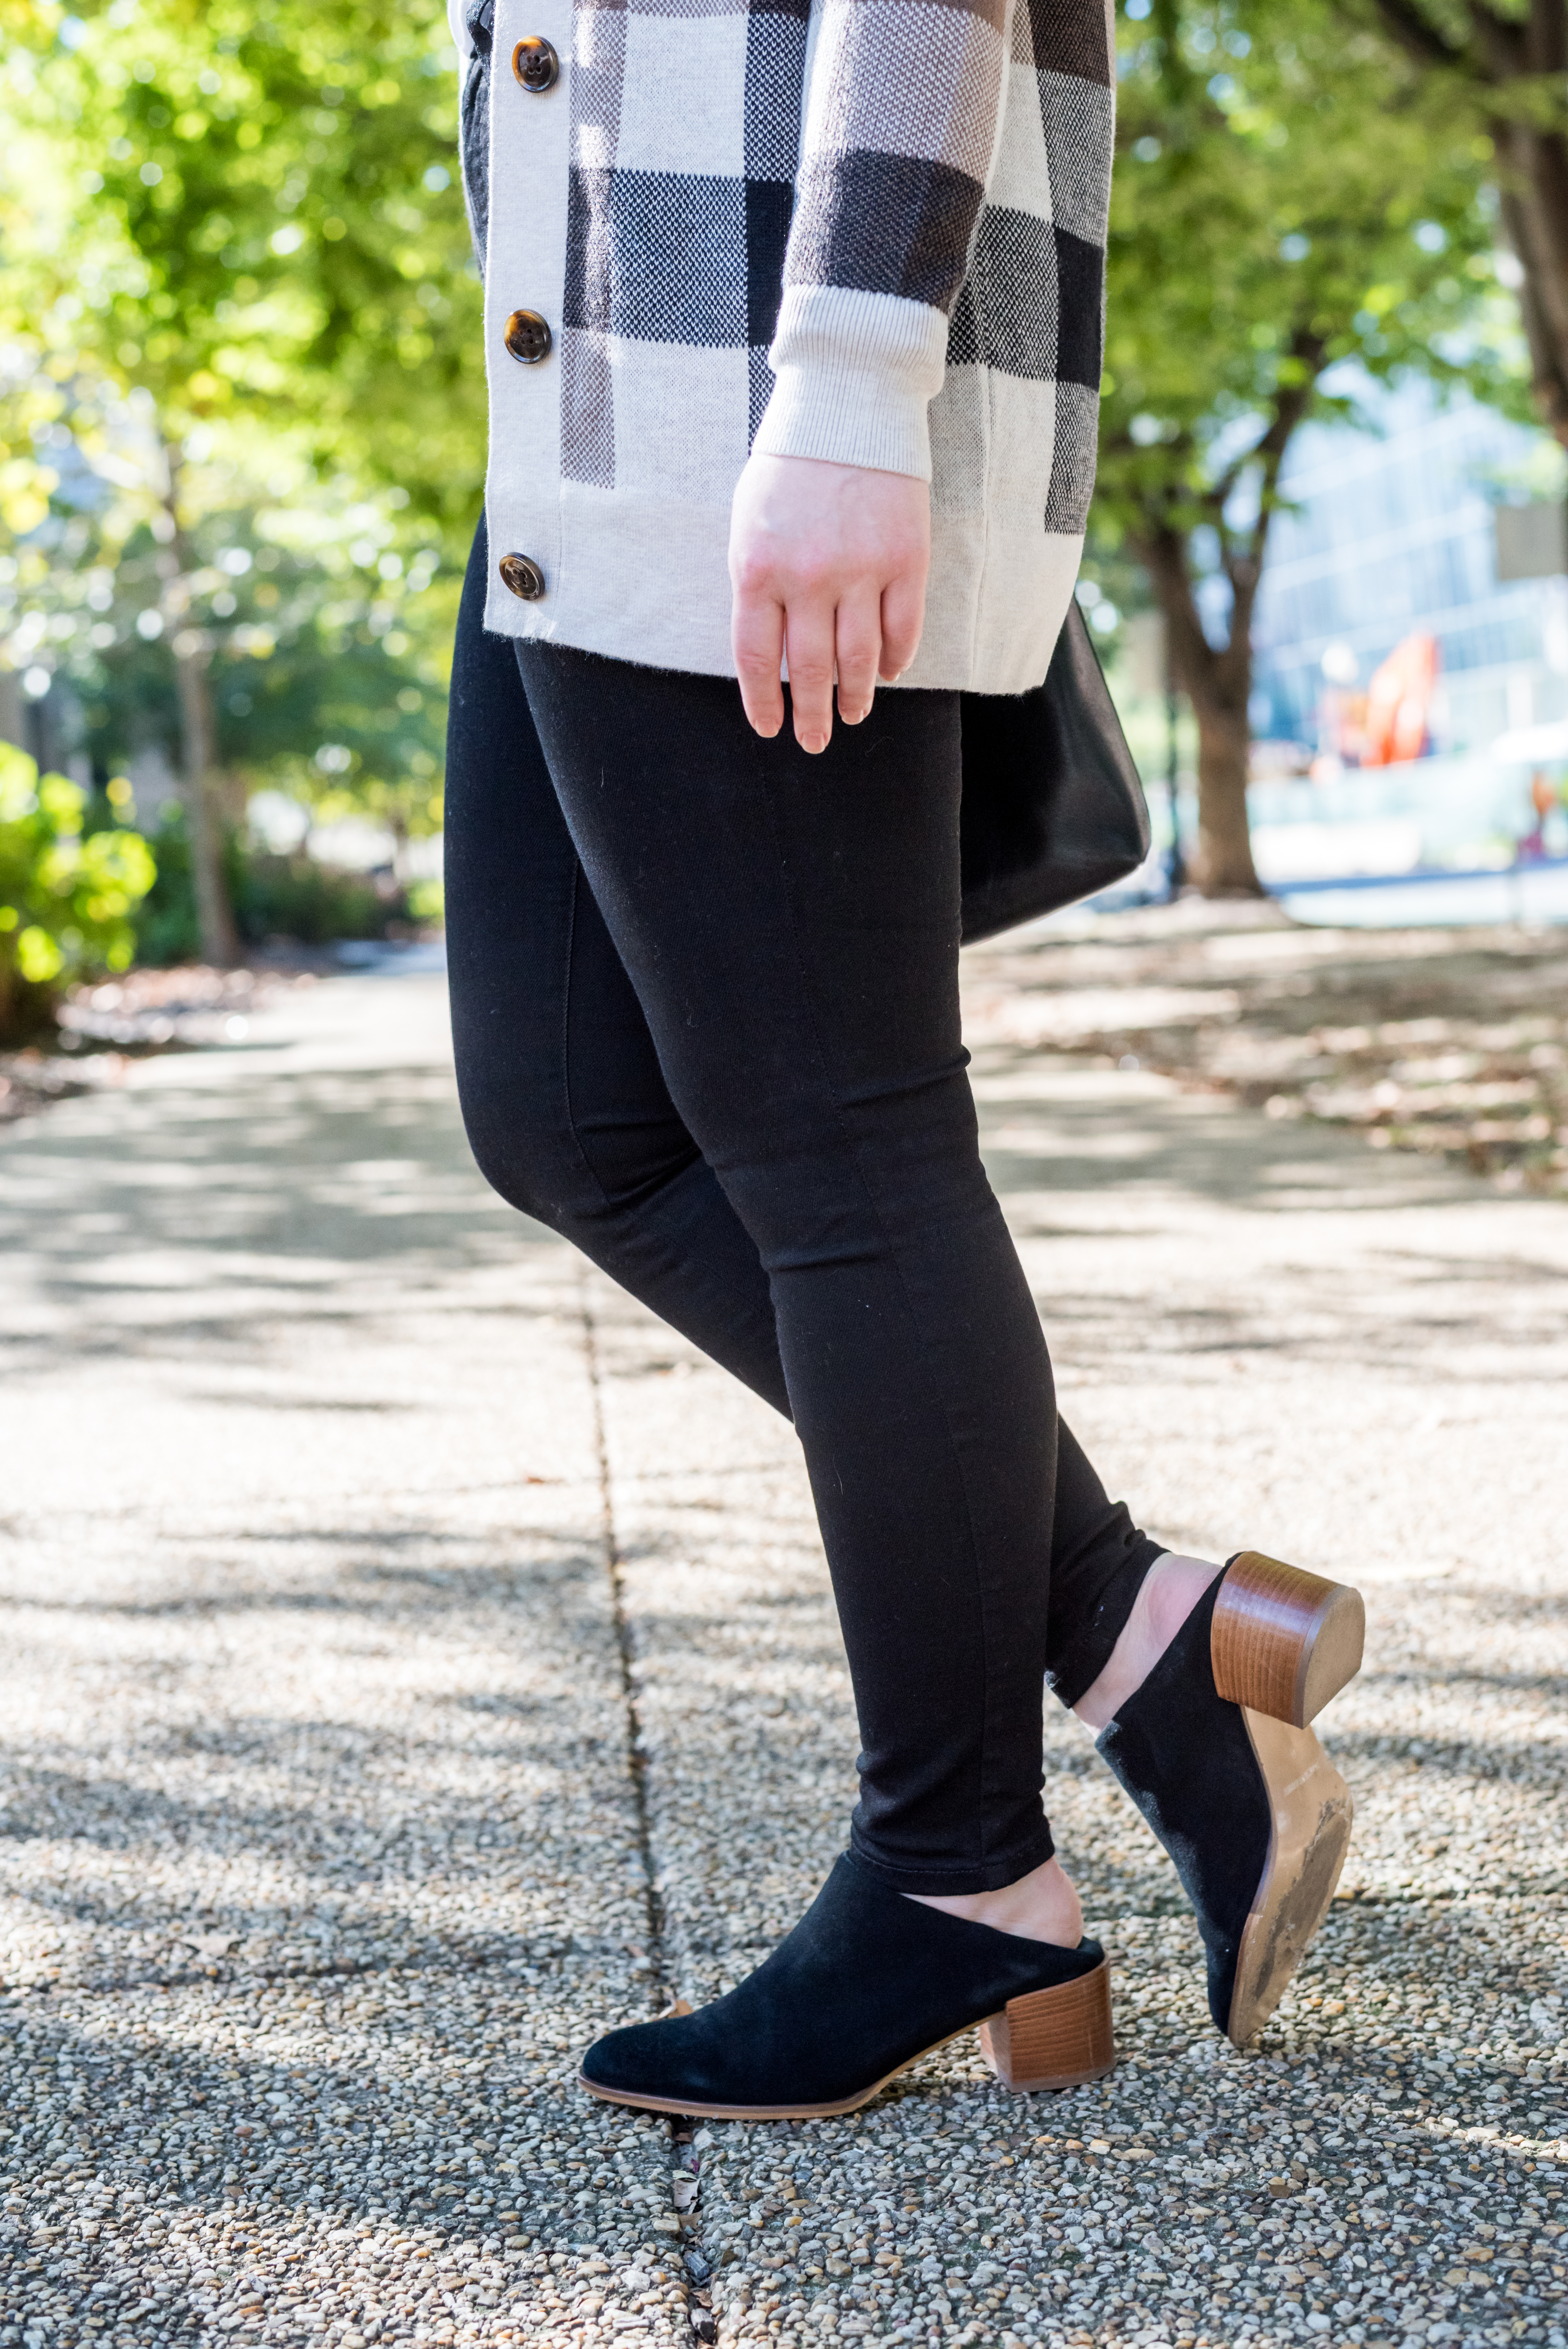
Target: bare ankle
(1041, 1907)
(1171, 1588)
(1177, 1590)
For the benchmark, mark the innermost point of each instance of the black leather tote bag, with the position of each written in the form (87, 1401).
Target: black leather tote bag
(1053, 809)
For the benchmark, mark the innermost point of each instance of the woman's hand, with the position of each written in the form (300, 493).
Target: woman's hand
(829, 565)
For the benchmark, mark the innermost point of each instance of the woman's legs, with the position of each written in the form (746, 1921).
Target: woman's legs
(570, 1120)
(790, 926)
(571, 1117)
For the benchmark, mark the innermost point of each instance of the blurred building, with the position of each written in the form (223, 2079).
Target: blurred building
(1395, 535)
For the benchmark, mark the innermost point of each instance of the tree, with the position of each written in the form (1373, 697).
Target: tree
(1288, 198)
(325, 643)
(242, 227)
(1514, 64)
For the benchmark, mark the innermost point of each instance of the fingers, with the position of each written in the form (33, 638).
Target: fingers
(809, 643)
(828, 564)
(756, 634)
(903, 618)
(756, 609)
(859, 636)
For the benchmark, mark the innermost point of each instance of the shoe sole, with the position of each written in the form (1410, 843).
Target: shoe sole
(1284, 1641)
(1057, 2038)
(1311, 1811)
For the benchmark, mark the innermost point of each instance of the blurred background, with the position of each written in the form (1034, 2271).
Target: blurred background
(242, 427)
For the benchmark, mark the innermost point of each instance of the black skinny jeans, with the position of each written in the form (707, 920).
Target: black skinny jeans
(705, 1001)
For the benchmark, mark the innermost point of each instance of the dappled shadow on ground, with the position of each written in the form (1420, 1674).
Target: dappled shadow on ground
(320, 1848)
(309, 1900)
(1356, 1369)
(319, 1857)
(1451, 1047)
(370, 1766)
(432, 2118)
(1123, 1132)
(217, 1216)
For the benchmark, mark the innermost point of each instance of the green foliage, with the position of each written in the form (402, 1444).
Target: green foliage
(242, 407)
(294, 897)
(167, 929)
(1507, 65)
(255, 217)
(1288, 195)
(274, 897)
(325, 656)
(67, 897)
(1297, 211)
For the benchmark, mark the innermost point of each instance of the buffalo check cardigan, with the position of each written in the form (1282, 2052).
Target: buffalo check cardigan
(866, 229)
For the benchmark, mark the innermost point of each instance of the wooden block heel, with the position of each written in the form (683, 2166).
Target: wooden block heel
(1054, 2038)
(1284, 1642)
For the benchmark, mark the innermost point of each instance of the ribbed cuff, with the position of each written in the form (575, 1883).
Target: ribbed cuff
(854, 375)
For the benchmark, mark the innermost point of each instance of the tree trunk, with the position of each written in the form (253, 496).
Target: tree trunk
(1218, 684)
(1536, 215)
(1533, 177)
(203, 819)
(198, 791)
(231, 797)
(1222, 862)
(1495, 51)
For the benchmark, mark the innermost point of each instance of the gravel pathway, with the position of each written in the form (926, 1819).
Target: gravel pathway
(367, 1570)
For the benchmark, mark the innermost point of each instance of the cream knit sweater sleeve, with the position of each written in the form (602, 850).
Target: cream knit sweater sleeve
(903, 101)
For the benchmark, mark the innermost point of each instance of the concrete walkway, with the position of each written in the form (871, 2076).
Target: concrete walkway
(415, 1659)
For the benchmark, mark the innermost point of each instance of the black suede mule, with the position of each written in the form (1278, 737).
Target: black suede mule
(867, 1983)
(1216, 1751)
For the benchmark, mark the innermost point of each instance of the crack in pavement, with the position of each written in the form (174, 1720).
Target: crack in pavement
(698, 2309)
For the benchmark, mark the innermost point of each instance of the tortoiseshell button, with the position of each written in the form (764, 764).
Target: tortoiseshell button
(527, 337)
(536, 64)
(522, 576)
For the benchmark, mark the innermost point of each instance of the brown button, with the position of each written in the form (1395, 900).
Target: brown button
(522, 576)
(527, 337)
(536, 64)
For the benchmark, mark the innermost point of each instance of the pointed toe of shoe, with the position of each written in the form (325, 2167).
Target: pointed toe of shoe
(610, 2063)
(641, 2063)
